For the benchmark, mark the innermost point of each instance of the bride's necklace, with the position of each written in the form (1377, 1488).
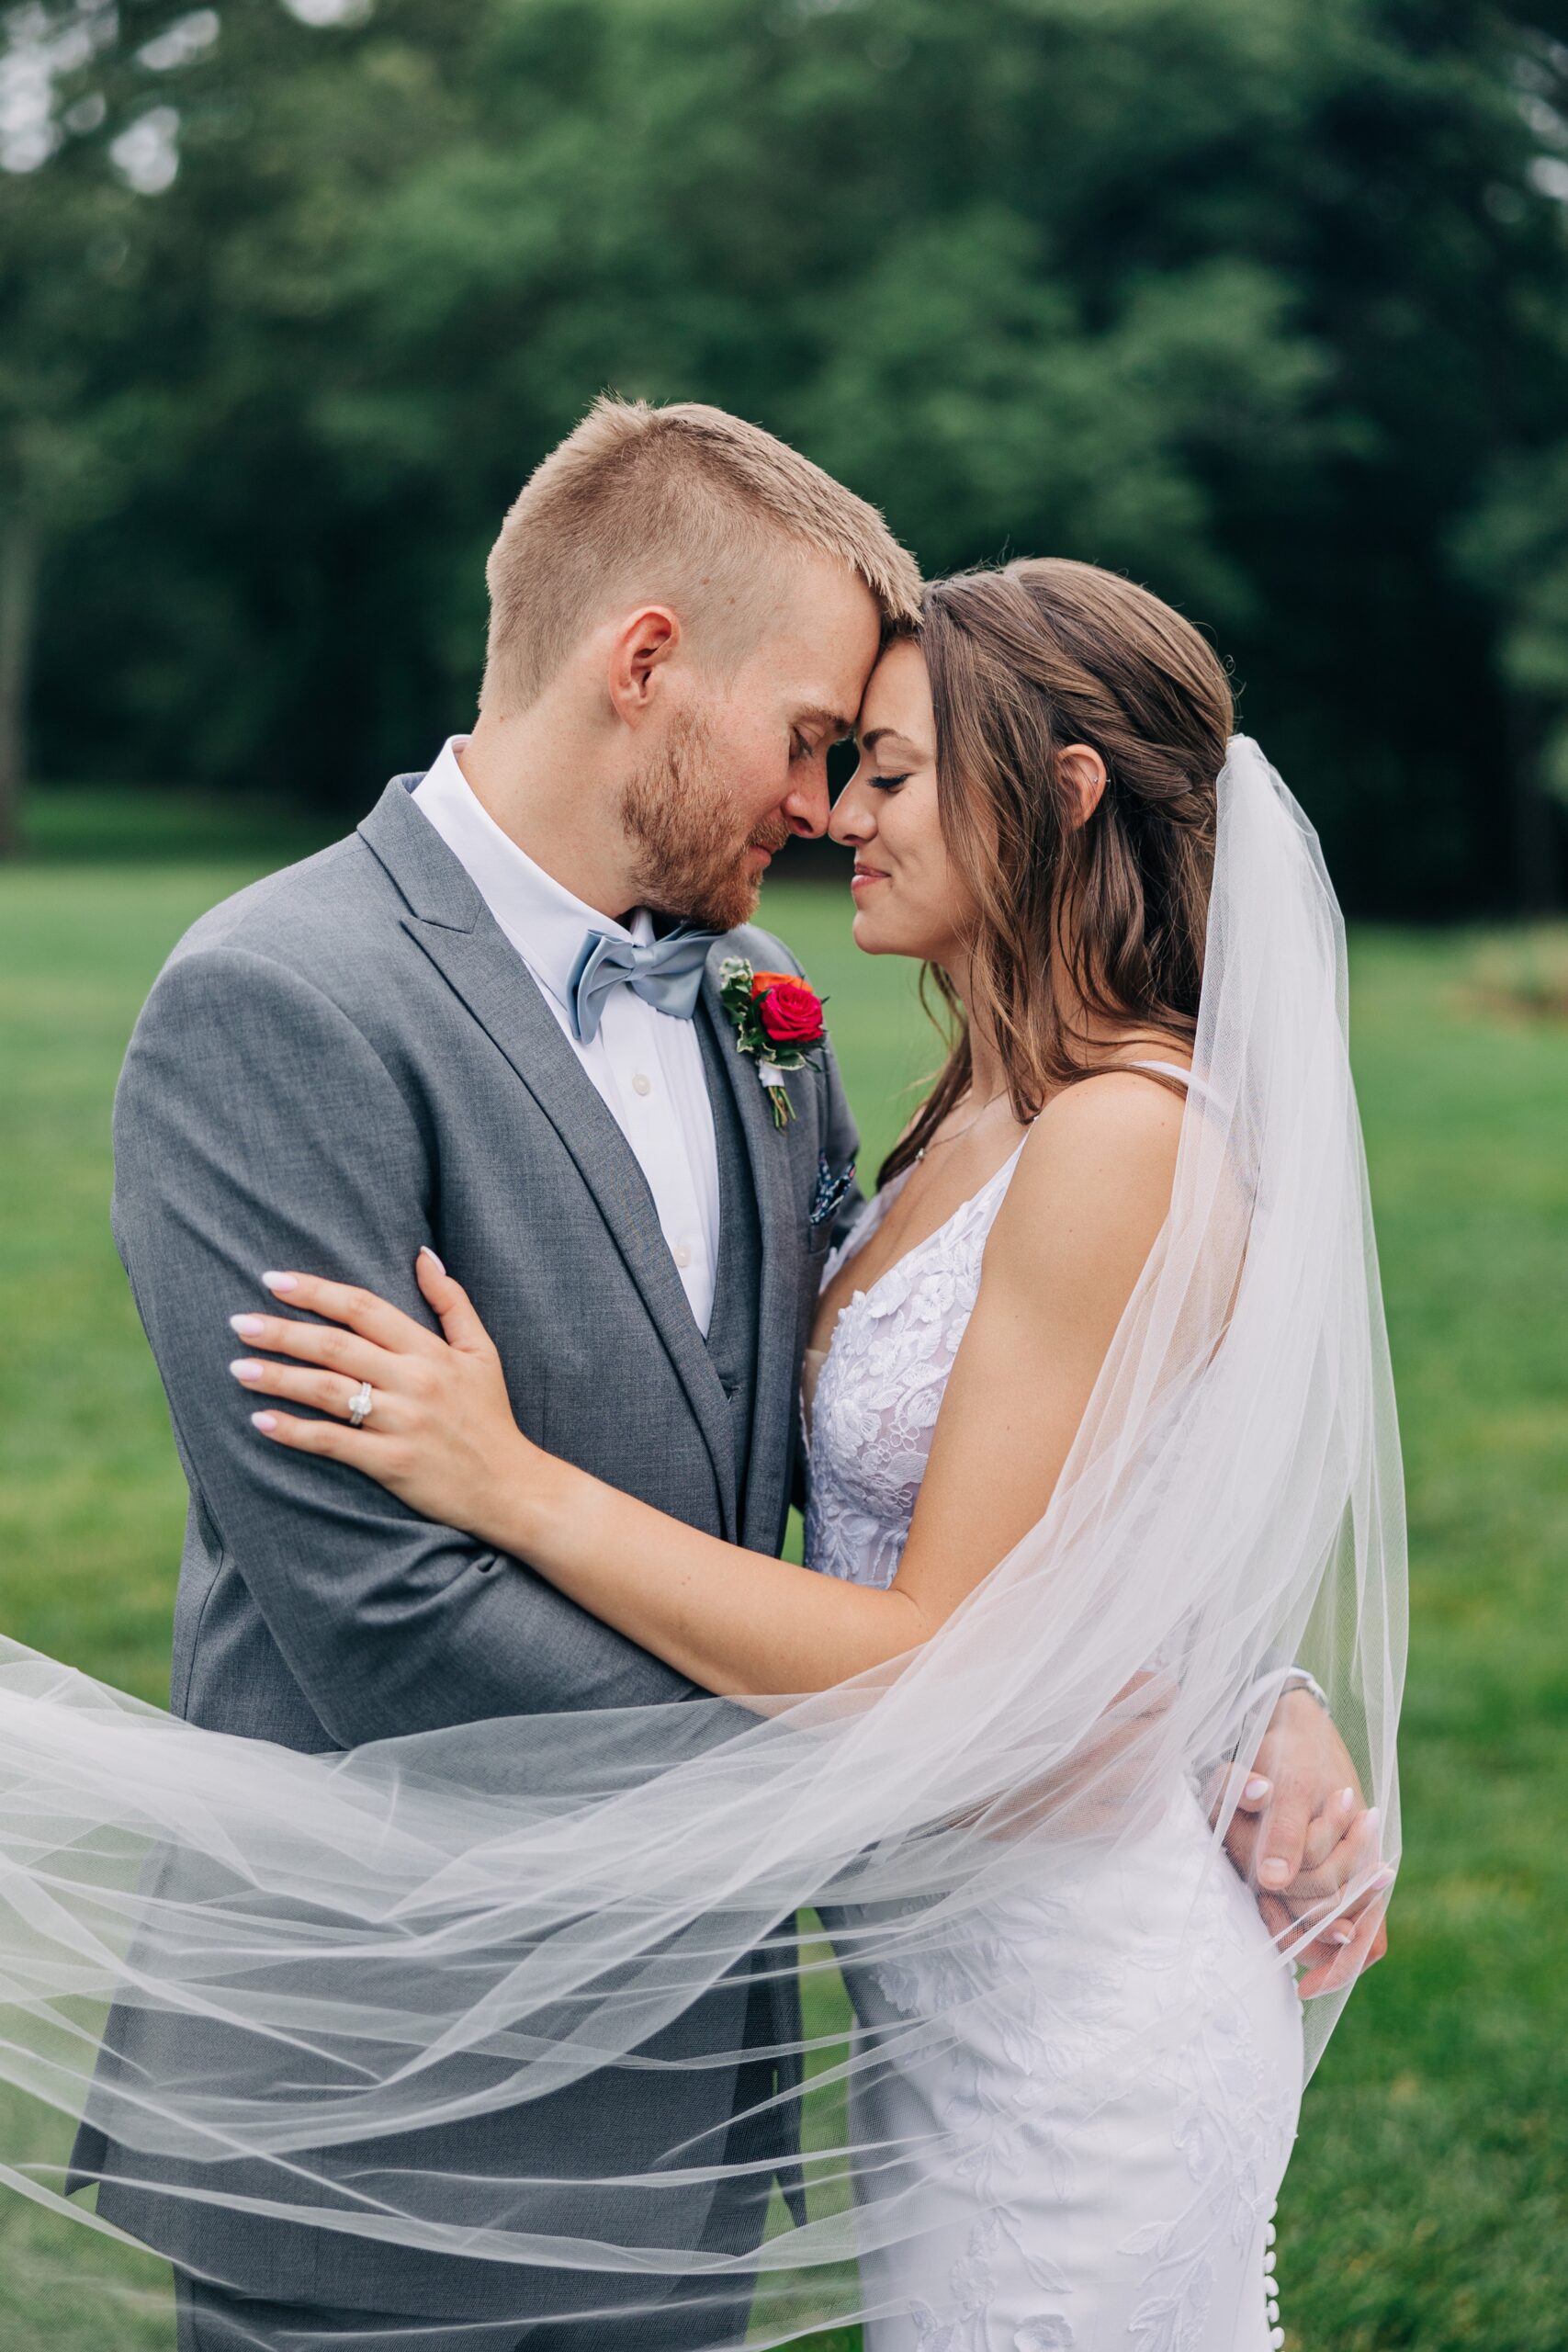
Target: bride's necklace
(967, 1129)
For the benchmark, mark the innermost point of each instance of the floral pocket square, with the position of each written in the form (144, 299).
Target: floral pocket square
(831, 1190)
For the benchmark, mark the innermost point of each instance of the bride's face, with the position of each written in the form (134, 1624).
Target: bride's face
(909, 899)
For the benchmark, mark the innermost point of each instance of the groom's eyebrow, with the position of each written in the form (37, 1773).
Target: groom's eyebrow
(835, 727)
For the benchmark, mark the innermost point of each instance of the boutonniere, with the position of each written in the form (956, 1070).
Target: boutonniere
(778, 1018)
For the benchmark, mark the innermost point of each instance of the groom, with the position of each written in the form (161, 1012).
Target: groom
(418, 1037)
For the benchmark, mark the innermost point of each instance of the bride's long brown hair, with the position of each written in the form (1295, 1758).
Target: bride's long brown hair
(1023, 662)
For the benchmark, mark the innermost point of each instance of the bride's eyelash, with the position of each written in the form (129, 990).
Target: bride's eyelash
(888, 783)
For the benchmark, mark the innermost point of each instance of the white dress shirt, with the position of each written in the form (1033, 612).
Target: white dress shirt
(647, 1066)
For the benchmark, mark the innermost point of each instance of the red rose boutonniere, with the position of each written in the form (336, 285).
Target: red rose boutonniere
(778, 1018)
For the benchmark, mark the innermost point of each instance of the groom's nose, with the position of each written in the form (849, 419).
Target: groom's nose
(807, 805)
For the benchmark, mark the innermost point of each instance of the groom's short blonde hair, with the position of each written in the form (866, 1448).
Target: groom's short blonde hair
(684, 505)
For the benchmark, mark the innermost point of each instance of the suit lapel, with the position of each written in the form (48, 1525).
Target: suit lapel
(449, 919)
(768, 1152)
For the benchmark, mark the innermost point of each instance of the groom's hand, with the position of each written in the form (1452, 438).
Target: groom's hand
(1299, 1834)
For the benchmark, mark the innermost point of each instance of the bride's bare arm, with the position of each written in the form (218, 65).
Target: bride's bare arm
(1087, 1200)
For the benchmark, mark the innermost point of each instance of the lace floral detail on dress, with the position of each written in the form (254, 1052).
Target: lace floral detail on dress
(881, 1388)
(1024, 2115)
(1016, 2021)
(1235, 2123)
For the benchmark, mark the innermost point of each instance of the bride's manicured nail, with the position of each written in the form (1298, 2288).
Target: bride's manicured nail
(1255, 1789)
(1380, 1879)
(426, 1251)
(1341, 1935)
(1274, 1872)
(249, 1327)
(245, 1368)
(1346, 1800)
(280, 1281)
(267, 1423)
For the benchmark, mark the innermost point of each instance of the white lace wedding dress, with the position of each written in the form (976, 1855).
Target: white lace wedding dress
(1137, 2213)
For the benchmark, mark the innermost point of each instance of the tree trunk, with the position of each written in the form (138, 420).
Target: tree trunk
(20, 545)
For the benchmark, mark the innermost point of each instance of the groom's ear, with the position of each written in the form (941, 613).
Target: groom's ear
(641, 647)
(1084, 777)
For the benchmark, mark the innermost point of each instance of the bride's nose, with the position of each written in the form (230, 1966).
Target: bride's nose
(854, 821)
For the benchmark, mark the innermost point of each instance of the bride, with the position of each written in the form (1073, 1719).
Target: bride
(1099, 1443)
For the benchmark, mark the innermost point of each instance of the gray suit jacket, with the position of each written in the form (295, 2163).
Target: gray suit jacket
(343, 1062)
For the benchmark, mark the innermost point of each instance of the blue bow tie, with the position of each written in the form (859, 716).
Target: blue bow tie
(668, 974)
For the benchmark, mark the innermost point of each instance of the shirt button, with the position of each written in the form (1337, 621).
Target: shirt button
(682, 1255)
(642, 1083)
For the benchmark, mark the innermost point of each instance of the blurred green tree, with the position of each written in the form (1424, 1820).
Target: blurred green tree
(65, 319)
(1516, 547)
(1258, 299)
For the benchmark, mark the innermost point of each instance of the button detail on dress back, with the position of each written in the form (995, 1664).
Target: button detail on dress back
(642, 1083)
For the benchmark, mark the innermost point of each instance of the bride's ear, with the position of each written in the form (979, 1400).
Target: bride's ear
(1083, 776)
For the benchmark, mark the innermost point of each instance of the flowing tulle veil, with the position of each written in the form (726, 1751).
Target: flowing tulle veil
(467, 1920)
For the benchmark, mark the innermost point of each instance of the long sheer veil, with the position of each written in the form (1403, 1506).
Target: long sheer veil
(340, 1949)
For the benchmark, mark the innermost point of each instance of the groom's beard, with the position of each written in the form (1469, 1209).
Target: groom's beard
(689, 860)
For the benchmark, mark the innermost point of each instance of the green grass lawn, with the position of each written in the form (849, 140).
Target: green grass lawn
(1426, 2205)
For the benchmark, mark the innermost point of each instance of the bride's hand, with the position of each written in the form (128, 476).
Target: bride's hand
(439, 1432)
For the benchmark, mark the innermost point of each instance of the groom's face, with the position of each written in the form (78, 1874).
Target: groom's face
(741, 763)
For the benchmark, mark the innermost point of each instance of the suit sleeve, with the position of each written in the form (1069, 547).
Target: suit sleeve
(256, 1128)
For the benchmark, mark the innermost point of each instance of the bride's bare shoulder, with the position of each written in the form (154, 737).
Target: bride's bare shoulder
(1123, 1114)
(1093, 1180)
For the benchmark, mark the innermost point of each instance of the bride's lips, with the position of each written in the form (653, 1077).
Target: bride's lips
(864, 876)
